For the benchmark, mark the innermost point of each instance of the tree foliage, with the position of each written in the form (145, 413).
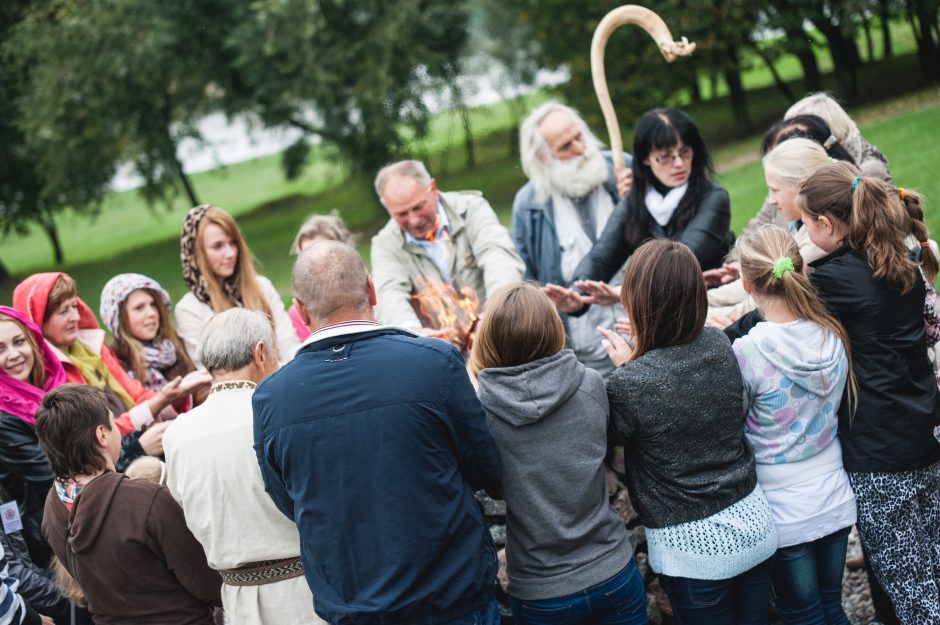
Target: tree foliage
(351, 73)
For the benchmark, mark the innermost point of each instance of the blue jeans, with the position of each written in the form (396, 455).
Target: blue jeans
(741, 600)
(621, 600)
(807, 581)
(487, 614)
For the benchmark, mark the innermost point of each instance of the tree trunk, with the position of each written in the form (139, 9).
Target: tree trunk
(803, 50)
(48, 225)
(738, 95)
(928, 53)
(778, 80)
(695, 90)
(187, 184)
(467, 135)
(885, 15)
(869, 43)
(844, 58)
(5, 277)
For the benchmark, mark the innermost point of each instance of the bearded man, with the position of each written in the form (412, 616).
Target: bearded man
(561, 212)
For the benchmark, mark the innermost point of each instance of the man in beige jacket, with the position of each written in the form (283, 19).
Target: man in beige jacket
(452, 239)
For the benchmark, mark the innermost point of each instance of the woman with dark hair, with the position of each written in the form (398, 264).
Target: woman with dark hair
(672, 197)
(675, 405)
(124, 541)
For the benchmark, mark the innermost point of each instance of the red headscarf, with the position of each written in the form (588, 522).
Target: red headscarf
(31, 295)
(19, 397)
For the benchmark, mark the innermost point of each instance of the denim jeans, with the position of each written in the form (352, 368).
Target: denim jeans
(487, 614)
(741, 600)
(621, 600)
(807, 581)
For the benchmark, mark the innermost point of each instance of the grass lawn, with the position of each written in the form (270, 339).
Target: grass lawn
(128, 236)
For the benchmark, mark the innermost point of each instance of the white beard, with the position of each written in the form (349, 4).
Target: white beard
(578, 176)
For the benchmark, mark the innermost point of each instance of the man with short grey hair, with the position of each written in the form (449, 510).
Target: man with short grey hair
(373, 440)
(435, 238)
(559, 214)
(213, 474)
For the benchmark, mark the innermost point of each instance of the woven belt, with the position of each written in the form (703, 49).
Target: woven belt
(266, 572)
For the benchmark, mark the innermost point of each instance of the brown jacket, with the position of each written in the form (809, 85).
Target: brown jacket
(136, 560)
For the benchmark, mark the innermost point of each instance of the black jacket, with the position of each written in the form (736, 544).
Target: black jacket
(706, 234)
(893, 426)
(26, 475)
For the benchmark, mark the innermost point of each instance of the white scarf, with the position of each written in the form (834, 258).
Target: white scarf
(662, 208)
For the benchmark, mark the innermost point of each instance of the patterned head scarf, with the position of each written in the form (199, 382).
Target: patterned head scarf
(118, 289)
(19, 397)
(193, 277)
(157, 355)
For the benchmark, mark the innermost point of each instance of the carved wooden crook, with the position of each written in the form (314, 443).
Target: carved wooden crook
(656, 27)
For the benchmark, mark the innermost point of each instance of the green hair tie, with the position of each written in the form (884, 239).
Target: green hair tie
(781, 266)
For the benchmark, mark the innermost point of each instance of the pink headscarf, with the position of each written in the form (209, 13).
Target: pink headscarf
(19, 397)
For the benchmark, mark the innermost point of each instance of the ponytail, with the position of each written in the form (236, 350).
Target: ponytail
(913, 203)
(771, 263)
(875, 221)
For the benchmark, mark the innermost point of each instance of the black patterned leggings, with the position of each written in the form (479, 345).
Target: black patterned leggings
(899, 525)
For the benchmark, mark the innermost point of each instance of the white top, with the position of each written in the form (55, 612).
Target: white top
(213, 473)
(721, 546)
(575, 245)
(192, 316)
(810, 498)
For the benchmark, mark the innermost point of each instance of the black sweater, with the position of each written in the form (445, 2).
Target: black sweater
(893, 426)
(678, 412)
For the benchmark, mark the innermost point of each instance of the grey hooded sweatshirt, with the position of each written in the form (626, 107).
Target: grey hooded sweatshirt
(549, 420)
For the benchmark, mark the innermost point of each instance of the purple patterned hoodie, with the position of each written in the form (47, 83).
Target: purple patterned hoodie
(794, 375)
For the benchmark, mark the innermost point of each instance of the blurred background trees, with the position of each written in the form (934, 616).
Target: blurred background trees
(90, 86)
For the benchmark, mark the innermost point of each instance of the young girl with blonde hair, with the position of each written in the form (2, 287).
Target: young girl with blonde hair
(566, 555)
(794, 366)
(871, 283)
(219, 271)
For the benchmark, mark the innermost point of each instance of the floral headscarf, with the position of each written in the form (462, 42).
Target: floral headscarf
(117, 290)
(19, 397)
(158, 355)
(191, 273)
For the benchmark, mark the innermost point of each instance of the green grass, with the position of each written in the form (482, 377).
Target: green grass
(128, 236)
(757, 75)
(907, 137)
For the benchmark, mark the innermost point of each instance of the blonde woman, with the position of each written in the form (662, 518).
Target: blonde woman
(220, 274)
(795, 366)
(316, 228)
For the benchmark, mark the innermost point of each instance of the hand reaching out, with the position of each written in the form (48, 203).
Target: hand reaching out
(565, 300)
(618, 350)
(597, 292)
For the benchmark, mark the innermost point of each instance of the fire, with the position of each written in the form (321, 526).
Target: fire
(442, 307)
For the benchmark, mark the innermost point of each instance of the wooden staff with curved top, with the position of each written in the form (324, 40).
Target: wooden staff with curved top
(656, 27)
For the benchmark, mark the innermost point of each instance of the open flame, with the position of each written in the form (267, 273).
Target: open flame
(442, 307)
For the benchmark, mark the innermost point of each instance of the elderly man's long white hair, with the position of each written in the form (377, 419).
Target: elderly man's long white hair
(534, 152)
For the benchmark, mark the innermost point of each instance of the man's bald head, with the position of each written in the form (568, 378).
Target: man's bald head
(331, 281)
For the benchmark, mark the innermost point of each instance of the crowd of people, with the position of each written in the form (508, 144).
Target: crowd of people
(244, 462)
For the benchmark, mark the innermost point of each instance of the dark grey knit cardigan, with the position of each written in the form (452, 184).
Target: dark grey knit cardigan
(679, 413)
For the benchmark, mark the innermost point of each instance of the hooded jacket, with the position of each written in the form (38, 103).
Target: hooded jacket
(549, 420)
(136, 560)
(794, 374)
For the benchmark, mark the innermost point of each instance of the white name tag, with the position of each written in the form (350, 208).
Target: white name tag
(10, 515)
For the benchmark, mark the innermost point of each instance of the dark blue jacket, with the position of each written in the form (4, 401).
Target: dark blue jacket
(533, 229)
(374, 443)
